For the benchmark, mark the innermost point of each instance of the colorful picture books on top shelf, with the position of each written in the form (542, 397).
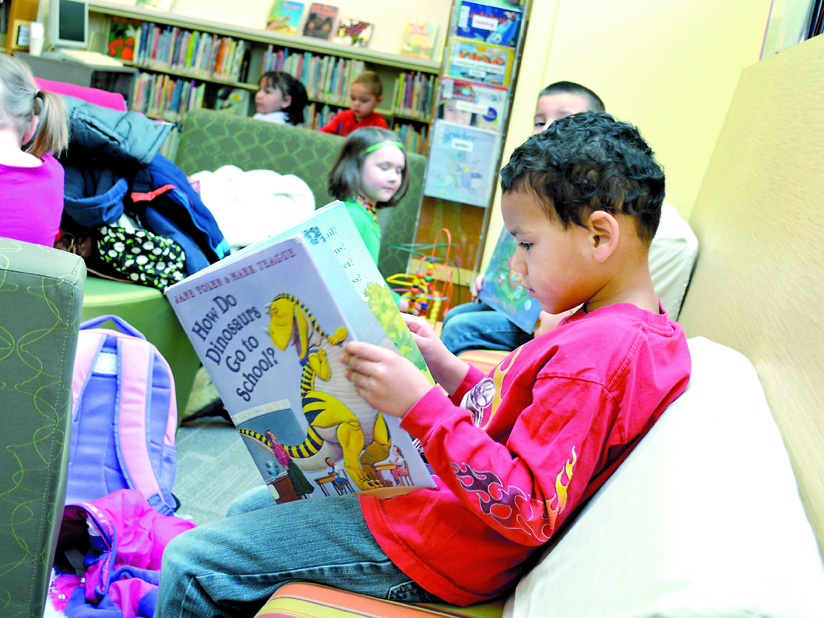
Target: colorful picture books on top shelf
(419, 39)
(284, 16)
(353, 32)
(269, 323)
(490, 24)
(320, 22)
(502, 289)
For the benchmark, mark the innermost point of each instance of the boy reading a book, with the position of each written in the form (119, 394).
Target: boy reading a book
(476, 325)
(515, 452)
(365, 94)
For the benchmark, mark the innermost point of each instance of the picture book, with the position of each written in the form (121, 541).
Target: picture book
(352, 254)
(320, 21)
(284, 16)
(157, 5)
(480, 62)
(419, 38)
(472, 104)
(268, 325)
(461, 164)
(502, 289)
(124, 38)
(233, 100)
(353, 32)
(498, 26)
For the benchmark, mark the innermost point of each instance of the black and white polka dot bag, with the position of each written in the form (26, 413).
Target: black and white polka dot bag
(141, 256)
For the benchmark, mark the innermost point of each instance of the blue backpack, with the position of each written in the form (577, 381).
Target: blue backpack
(124, 417)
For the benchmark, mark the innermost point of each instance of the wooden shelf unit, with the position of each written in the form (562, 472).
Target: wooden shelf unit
(388, 66)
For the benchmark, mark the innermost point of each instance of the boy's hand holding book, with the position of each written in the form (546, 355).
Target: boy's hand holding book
(447, 369)
(384, 379)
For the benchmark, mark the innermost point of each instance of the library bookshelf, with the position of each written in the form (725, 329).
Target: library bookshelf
(170, 82)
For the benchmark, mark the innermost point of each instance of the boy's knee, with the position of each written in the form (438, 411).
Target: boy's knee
(251, 500)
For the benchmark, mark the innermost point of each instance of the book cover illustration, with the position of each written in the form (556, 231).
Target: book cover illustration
(419, 38)
(353, 256)
(461, 164)
(157, 5)
(480, 62)
(472, 104)
(233, 100)
(502, 289)
(320, 21)
(269, 328)
(123, 38)
(353, 32)
(284, 16)
(490, 24)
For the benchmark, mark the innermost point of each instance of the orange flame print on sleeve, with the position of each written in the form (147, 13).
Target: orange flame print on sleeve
(512, 508)
(561, 490)
(498, 375)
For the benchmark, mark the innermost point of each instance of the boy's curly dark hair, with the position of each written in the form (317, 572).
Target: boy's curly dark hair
(587, 162)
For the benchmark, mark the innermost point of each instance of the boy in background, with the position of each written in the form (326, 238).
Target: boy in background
(476, 325)
(516, 452)
(365, 94)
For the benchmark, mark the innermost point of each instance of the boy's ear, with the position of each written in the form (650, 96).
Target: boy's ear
(287, 101)
(603, 235)
(378, 101)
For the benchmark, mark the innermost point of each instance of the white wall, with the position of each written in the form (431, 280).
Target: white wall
(668, 67)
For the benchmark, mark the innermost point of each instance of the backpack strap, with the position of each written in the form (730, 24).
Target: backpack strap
(88, 348)
(131, 432)
(122, 325)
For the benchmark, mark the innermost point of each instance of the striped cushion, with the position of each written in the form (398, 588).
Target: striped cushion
(485, 360)
(301, 600)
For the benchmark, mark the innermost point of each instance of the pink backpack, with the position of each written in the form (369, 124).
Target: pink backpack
(124, 417)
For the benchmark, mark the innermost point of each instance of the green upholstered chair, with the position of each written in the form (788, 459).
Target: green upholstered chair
(213, 139)
(41, 292)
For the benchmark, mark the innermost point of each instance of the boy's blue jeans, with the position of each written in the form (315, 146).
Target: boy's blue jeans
(232, 566)
(477, 326)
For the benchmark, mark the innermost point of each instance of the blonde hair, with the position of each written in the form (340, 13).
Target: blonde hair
(20, 101)
(371, 80)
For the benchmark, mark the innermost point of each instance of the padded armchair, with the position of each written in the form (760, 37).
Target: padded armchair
(41, 294)
(213, 139)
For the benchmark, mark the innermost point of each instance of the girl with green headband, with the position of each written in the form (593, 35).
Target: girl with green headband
(370, 173)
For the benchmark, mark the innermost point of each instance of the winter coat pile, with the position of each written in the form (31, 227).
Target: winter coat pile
(113, 167)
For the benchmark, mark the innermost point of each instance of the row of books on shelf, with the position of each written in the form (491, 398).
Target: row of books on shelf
(166, 97)
(170, 98)
(414, 94)
(323, 76)
(200, 54)
(328, 78)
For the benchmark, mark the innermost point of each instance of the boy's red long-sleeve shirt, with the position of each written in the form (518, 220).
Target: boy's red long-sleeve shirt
(344, 123)
(547, 420)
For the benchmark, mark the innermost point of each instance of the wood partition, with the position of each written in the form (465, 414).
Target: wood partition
(758, 286)
(25, 10)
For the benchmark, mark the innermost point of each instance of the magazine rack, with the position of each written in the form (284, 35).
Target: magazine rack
(479, 73)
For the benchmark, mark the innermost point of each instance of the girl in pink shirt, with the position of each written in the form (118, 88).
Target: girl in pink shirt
(33, 128)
